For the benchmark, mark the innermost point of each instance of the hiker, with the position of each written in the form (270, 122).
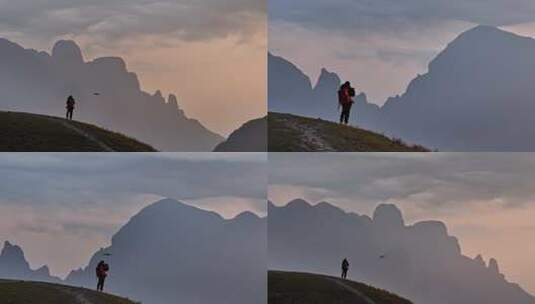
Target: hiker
(102, 272)
(345, 101)
(345, 268)
(70, 107)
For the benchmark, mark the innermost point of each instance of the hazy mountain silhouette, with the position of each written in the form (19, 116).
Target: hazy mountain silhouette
(291, 91)
(13, 265)
(421, 262)
(250, 137)
(174, 253)
(107, 95)
(476, 96)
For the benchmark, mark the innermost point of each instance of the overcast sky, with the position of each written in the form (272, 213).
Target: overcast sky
(211, 53)
(486, 200)
(61, 208)
(381, 45)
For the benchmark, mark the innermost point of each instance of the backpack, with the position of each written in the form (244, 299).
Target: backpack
(340, 97)
(352, 92)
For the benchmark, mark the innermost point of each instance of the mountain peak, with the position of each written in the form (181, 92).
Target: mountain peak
(170, 208)
(327, 80)
(13, 256)
(11, 250)
(165, 203)
(246, 217)
(482, 28)
(388, 215)
(298, 204)
(479, 260)
(67, 50)
(493, 265)
(481, 34)
(173, 101)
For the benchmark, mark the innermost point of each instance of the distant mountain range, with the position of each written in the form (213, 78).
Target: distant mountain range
(420, 262)
(477, 95)
(13, 265)
(107, 95)
(173, 253)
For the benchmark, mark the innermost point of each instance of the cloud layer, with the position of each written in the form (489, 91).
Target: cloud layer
(119, 19)
(361, 15)
(448, 181)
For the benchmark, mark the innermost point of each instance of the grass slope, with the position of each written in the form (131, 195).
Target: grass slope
(291, 133)
(23, 292)
(25, 132)
(305, 288)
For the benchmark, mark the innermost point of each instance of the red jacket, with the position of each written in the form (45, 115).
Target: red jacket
(345, 98)
(101, 270)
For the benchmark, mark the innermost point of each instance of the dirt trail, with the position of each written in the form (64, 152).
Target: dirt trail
(78, 295)
(310, 136)
(81, 132)
(352, 290)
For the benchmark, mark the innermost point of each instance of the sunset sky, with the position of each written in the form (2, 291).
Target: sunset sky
(78, 201)
(486, 200)
(211, 53)
(381, 45)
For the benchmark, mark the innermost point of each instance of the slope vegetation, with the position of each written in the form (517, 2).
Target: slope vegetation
(24, 132)
(291, 133)
(23, 292)
(294, 287)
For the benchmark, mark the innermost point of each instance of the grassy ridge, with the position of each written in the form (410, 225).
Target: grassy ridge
(288, 133)
(22, 292)
(305, 288)
(25, 132)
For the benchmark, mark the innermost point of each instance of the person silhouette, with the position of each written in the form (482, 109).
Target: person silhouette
(345, 268)
(102, 272)
(345, 101)
(70, 107)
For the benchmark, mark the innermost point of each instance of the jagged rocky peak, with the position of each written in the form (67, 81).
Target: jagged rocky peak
(12, 260)
(172, 100)
(479, 259)
(493, 266)
(12, 251)
(158, 94)
(43, 271)
(67, 50)
(388, 215)
(327, 78)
